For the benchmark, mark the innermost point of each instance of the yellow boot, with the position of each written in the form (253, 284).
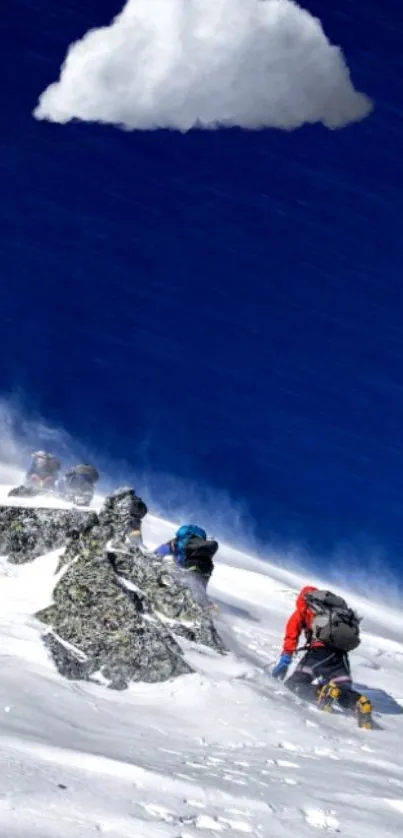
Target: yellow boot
(363, 711)
(327, 695)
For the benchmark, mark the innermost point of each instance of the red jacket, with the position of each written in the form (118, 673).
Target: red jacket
(300, 621)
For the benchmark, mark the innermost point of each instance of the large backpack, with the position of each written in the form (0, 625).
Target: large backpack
(89, 472)
(194, 550)
(199, 554)
(334, 624)
(183, 535)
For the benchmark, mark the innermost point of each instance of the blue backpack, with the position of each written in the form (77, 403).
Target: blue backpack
(183, 536)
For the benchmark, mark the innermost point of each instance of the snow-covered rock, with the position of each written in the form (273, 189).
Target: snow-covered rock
(117, 612)
(26, 532)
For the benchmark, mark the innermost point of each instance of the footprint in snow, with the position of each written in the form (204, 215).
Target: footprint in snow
(394, 782)
(235, 780)
(196, 804)
(159, 812)
(238, 825)
(205, 822)
(289, 746)
(219, 824)
(320, 819)
(326, 752)
(285, 763)
(296, 749)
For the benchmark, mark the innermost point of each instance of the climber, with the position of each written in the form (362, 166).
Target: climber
(42, 472)
(78, 484)
(193, 553)
(331, 630)
(40, 477)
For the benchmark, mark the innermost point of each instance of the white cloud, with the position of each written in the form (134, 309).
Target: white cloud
(206, 64)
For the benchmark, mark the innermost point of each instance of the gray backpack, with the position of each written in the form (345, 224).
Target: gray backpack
(334, 624)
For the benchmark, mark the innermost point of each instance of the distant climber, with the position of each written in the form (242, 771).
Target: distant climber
(323, 674)
(40, 477)
(78, 484)
(43, 470)
(193, 553)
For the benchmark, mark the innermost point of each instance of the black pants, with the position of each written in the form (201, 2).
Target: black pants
(327, 665)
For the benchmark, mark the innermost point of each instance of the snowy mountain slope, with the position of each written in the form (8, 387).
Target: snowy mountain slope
(224, 752)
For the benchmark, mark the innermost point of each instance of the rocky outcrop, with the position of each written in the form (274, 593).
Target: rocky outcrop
(26, 532)
(118, 613)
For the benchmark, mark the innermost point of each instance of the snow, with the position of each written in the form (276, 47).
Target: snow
(223, 752)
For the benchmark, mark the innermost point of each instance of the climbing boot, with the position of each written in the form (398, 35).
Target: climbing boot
(327, 695)
(363, 712)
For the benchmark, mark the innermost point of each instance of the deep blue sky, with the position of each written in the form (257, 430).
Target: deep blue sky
(223, 307)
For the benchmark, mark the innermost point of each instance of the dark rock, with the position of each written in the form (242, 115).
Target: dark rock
(117, 613)
(111, 640)
(27, 532)
(164, 594)
(122, 512)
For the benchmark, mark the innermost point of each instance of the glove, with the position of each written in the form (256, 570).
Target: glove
(281, 668)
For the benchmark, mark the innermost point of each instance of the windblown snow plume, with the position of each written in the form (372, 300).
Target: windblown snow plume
(22, 431)
(207, 64)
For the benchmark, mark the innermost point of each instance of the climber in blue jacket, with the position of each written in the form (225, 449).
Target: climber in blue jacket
(193, 553)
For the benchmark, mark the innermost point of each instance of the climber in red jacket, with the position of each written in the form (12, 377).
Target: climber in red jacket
(299, 623)
(322, 662)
